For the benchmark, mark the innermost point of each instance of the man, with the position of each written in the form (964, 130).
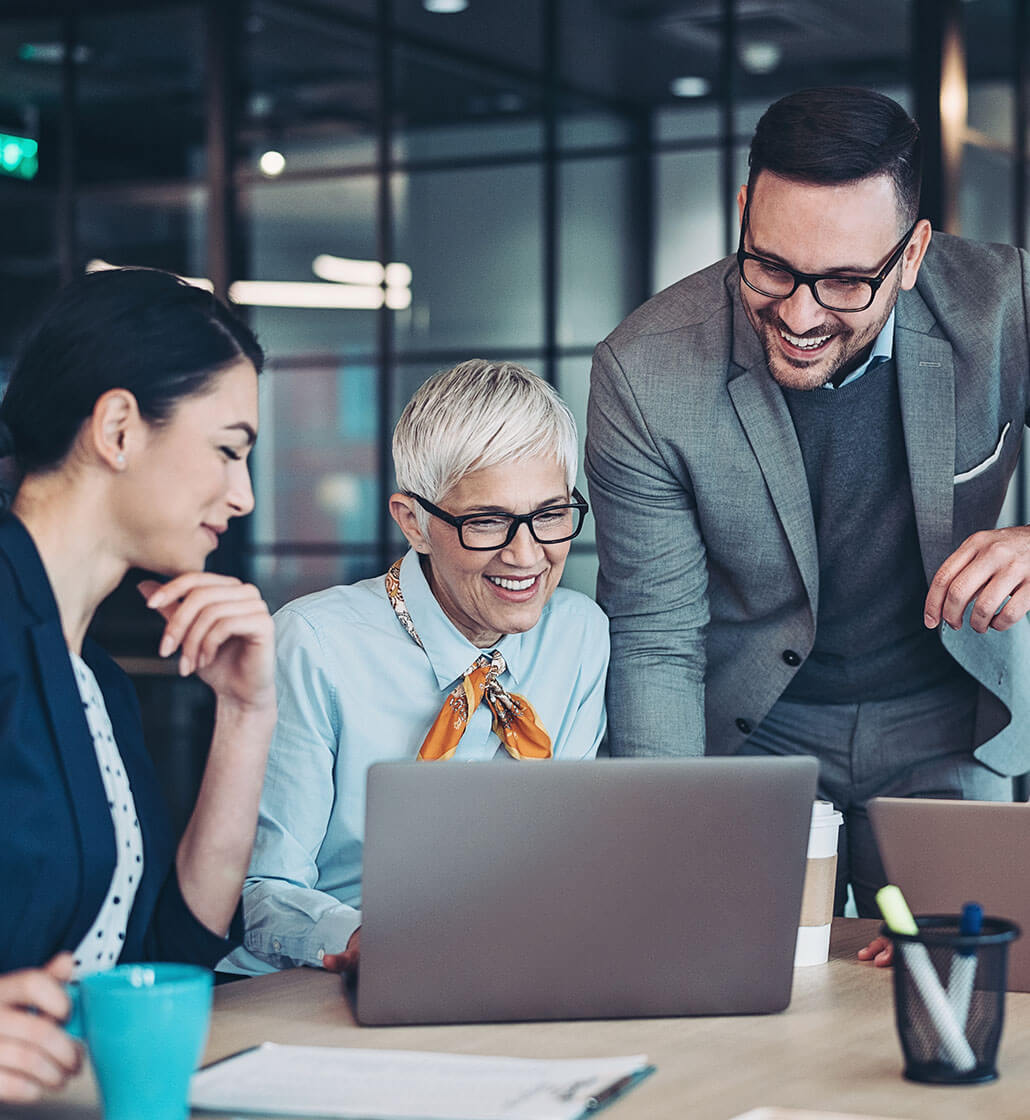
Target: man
(796, 458)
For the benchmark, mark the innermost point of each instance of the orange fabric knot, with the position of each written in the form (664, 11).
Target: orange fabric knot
(515, 722)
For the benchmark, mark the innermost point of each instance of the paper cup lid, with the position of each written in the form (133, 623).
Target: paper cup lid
(823, 813)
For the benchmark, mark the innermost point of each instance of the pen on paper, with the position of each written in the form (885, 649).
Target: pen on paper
(607, 1095)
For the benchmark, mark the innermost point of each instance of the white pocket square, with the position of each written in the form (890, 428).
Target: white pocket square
(991, 459)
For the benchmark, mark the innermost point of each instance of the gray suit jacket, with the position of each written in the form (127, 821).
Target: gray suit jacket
(707, 545)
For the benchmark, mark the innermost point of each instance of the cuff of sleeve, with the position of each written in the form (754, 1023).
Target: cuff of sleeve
(288, 949)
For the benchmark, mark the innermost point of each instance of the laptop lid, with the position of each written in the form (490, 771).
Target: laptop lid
(945, 853)
(579, 890)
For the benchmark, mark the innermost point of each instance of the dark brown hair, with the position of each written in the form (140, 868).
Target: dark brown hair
(840, 135)
(130, 328)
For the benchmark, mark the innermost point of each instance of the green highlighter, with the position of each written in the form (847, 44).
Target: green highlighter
(895, 911)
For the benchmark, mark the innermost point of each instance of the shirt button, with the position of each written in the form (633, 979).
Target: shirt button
(792, 657)
(321, 954)
(276, 944)
(743, 726)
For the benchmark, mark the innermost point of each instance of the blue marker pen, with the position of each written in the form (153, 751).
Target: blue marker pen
(963, 964)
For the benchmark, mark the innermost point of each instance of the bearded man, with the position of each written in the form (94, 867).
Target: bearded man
(797, 459)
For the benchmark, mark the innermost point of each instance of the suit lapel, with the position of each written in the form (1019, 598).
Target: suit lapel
(74, 750)
(77, 755)
(926, 385)
(764, 415)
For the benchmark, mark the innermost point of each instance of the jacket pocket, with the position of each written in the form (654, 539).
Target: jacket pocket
(989, 462)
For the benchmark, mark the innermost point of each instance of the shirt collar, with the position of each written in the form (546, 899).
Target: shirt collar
(450, 653)
(882, 351)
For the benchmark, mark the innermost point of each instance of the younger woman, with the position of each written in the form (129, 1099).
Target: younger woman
(128, 420)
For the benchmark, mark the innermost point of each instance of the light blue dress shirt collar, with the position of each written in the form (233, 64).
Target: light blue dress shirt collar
(450, 653)
(882, 351)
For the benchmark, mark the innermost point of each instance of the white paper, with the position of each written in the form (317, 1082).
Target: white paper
(408, 1084)
(802, 1114)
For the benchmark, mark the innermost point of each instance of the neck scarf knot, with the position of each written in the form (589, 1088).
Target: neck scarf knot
(515, 722)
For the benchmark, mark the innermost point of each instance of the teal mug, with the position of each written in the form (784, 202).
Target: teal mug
(145, 1026)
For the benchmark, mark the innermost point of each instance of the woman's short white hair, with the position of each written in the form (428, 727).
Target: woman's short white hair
(479, 414)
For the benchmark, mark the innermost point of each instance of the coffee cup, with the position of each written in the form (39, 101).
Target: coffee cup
(145, 1026)
(813, 944)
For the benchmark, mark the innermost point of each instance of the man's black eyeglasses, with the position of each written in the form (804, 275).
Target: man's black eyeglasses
(486, 532)
(835, 293)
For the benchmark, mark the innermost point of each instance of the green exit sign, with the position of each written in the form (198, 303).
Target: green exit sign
(19, 156)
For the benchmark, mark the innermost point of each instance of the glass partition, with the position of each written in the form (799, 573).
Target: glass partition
(141, 103)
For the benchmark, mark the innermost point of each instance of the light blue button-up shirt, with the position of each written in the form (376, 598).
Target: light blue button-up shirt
(882, 351)
(355, 689)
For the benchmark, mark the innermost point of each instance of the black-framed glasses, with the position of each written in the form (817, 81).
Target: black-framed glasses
(485, 532)
(835, 293)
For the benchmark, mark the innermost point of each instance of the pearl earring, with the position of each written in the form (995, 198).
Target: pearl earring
(120, 460)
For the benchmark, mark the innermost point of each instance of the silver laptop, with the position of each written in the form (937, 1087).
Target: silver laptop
(581, 890)
(945, 853)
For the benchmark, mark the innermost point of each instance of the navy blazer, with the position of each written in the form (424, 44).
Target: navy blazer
(59, 847)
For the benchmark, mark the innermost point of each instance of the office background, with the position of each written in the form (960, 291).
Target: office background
(387, 187)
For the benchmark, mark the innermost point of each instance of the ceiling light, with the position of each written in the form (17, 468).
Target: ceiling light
(690, 87)
(272, 163)
(445, 7)
(344, 270)
(760, 57)
(398, 275)
(299, 293)
(398, 299)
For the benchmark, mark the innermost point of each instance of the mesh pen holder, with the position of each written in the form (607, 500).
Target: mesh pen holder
(949, 998)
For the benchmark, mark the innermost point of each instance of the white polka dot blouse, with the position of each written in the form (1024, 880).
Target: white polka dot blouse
(102, 945)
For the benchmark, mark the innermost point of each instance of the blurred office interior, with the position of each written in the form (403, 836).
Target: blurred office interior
(386, 187)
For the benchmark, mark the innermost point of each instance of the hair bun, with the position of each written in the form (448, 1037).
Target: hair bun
(6, 441)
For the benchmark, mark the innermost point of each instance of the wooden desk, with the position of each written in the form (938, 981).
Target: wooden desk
(834, 1049)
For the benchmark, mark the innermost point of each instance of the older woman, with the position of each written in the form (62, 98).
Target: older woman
(465, 648)
(128, 419)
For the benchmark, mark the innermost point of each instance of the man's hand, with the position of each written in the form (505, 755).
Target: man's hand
(987, 569)
(36, 1054)
(347, 961)
(880, 951)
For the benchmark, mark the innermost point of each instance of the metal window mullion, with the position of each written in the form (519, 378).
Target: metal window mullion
(385, 46)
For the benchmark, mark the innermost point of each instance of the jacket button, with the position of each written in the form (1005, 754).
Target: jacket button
(743, 726)
(792, 657)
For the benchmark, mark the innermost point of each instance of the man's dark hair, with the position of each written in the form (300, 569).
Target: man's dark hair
(840, 135)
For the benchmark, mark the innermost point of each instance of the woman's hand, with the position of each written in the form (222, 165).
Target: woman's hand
(223, 632)
(880, 951)
(348, 960)
(35, 1053)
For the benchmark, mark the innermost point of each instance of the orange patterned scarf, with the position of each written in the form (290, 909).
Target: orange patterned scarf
(515, 722)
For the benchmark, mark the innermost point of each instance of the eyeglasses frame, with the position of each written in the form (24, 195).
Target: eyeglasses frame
(517, 519)
(810, 279)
